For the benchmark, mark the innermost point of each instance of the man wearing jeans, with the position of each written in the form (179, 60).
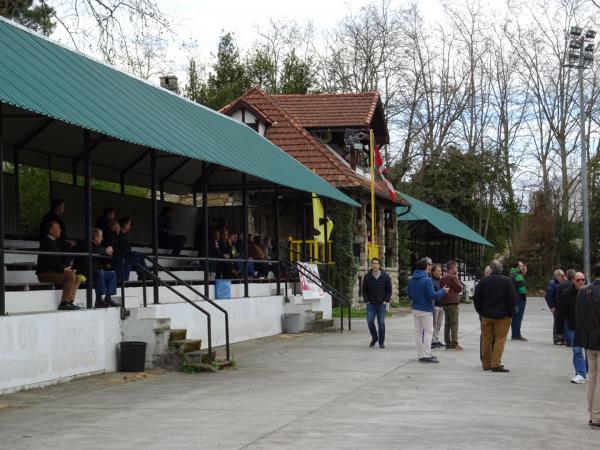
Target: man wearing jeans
(377, 292)
(517, 275)
(450, 303)
(422, 296)
(566, 315)
(587, 335)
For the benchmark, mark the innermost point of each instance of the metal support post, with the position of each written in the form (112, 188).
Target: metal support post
(584, 181)
(245, 226)
(154, 225)
(206, 236)
(88, 215)
(2, 205)
(276, 239)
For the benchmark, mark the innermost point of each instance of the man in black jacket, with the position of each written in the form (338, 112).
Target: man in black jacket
(377, 292)
(495, 303)
(166, 237)
(566, 316)
(54, 268)
(587, 335)
(57, 210)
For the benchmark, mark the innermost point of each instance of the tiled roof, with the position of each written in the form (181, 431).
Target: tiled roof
(288, 134)
(330, 110)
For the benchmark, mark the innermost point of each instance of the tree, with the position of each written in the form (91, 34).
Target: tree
(297, 76)
(228, 79)
(36, 16)
(194, 89)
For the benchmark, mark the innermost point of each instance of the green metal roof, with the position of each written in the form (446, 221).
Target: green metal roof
(443, 221)
(41, 76)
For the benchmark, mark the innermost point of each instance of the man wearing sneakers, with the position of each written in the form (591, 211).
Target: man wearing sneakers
(587, 335)
(566, 315)
(377, 292)
(450, 304)
(422, 296)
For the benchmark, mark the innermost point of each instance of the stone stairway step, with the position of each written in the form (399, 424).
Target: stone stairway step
(201, 367)
(178, 334)
(318, 315)
(198, 357)
(186, 345)
(322, 325)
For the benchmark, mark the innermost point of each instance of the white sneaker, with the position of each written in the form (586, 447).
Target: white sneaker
(578, 379)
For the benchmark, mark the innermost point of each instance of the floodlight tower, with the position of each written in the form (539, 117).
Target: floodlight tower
(581, 56)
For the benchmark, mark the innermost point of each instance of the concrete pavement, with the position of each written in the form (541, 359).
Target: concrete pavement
(324, 391)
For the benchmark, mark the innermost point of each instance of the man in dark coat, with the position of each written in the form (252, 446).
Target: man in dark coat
(587, 335)
(566, 315)
(377, 292)
(166, 235)
(57, 269)
(56, 213)
(495, 303)
(550, 297)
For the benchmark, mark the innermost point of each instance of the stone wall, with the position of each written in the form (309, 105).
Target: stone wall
(357, 296)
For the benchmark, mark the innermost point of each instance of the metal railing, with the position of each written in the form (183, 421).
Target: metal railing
(199, 294)
(145, 272)
(342, 299)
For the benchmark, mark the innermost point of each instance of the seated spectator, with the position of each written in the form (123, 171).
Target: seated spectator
(103, 222)
(56, 213)
(105, 280)
(124, 248)
(241, 254)
(166, 236)
(257, 253)
(55, 269)
(226, 250)
(268, 247)
(110, 238)
(214, 251)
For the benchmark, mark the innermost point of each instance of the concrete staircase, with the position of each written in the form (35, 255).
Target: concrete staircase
(187, 355)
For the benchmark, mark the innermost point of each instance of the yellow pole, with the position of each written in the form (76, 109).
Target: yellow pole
(372, 151)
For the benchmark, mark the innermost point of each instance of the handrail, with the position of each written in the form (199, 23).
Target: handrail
(329, 289)
(154, 277)
(300, 254)
(195, 291)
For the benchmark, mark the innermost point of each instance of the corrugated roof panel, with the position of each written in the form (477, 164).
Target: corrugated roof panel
(443, 221)
(44, 77)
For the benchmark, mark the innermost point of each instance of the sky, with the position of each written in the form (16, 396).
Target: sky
(201, 22)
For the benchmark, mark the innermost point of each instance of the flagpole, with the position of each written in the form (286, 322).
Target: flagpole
(372, 149)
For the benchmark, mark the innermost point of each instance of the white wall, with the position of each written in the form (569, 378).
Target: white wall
(47, 348)
(41, 349)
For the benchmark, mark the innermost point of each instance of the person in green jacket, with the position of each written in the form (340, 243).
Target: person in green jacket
(517, 276)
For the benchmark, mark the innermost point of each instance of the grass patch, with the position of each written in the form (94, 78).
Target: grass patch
(354, 312)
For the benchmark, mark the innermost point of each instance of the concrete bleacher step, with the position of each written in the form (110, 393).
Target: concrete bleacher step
(184, 346)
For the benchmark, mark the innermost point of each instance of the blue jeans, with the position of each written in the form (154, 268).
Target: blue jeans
(518, 317)
(137, 257)
(579, 362)
(105, 282)
(379, 312)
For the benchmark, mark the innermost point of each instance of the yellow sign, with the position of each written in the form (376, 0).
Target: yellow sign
(373, 251)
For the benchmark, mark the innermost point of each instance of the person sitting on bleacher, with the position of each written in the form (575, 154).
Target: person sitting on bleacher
(105, 279)
(166, 236)
(124, 248)
(57, 210)
(214, 251)
(257, 253)
(103, 222)
(54, 268)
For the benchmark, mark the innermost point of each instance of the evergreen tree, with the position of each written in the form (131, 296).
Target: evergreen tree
(195, 90)
(262, 71)
(297, 76)
(229, 79)
(38, 17)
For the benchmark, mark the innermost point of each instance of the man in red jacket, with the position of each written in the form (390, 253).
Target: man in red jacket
(450, 304)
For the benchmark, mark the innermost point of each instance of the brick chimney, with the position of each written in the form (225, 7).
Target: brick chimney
(170, 82)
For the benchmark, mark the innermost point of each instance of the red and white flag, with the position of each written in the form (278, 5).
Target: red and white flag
(382, 171)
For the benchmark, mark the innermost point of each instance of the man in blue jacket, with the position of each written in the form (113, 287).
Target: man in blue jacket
(423, 296)
(377, 292)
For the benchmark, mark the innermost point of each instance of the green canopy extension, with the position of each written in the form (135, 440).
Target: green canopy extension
(444, 222)
(42, 77)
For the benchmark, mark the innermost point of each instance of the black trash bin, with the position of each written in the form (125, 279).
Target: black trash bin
(132, 356)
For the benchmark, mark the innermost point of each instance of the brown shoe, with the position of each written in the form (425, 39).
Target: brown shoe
(457, 348)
